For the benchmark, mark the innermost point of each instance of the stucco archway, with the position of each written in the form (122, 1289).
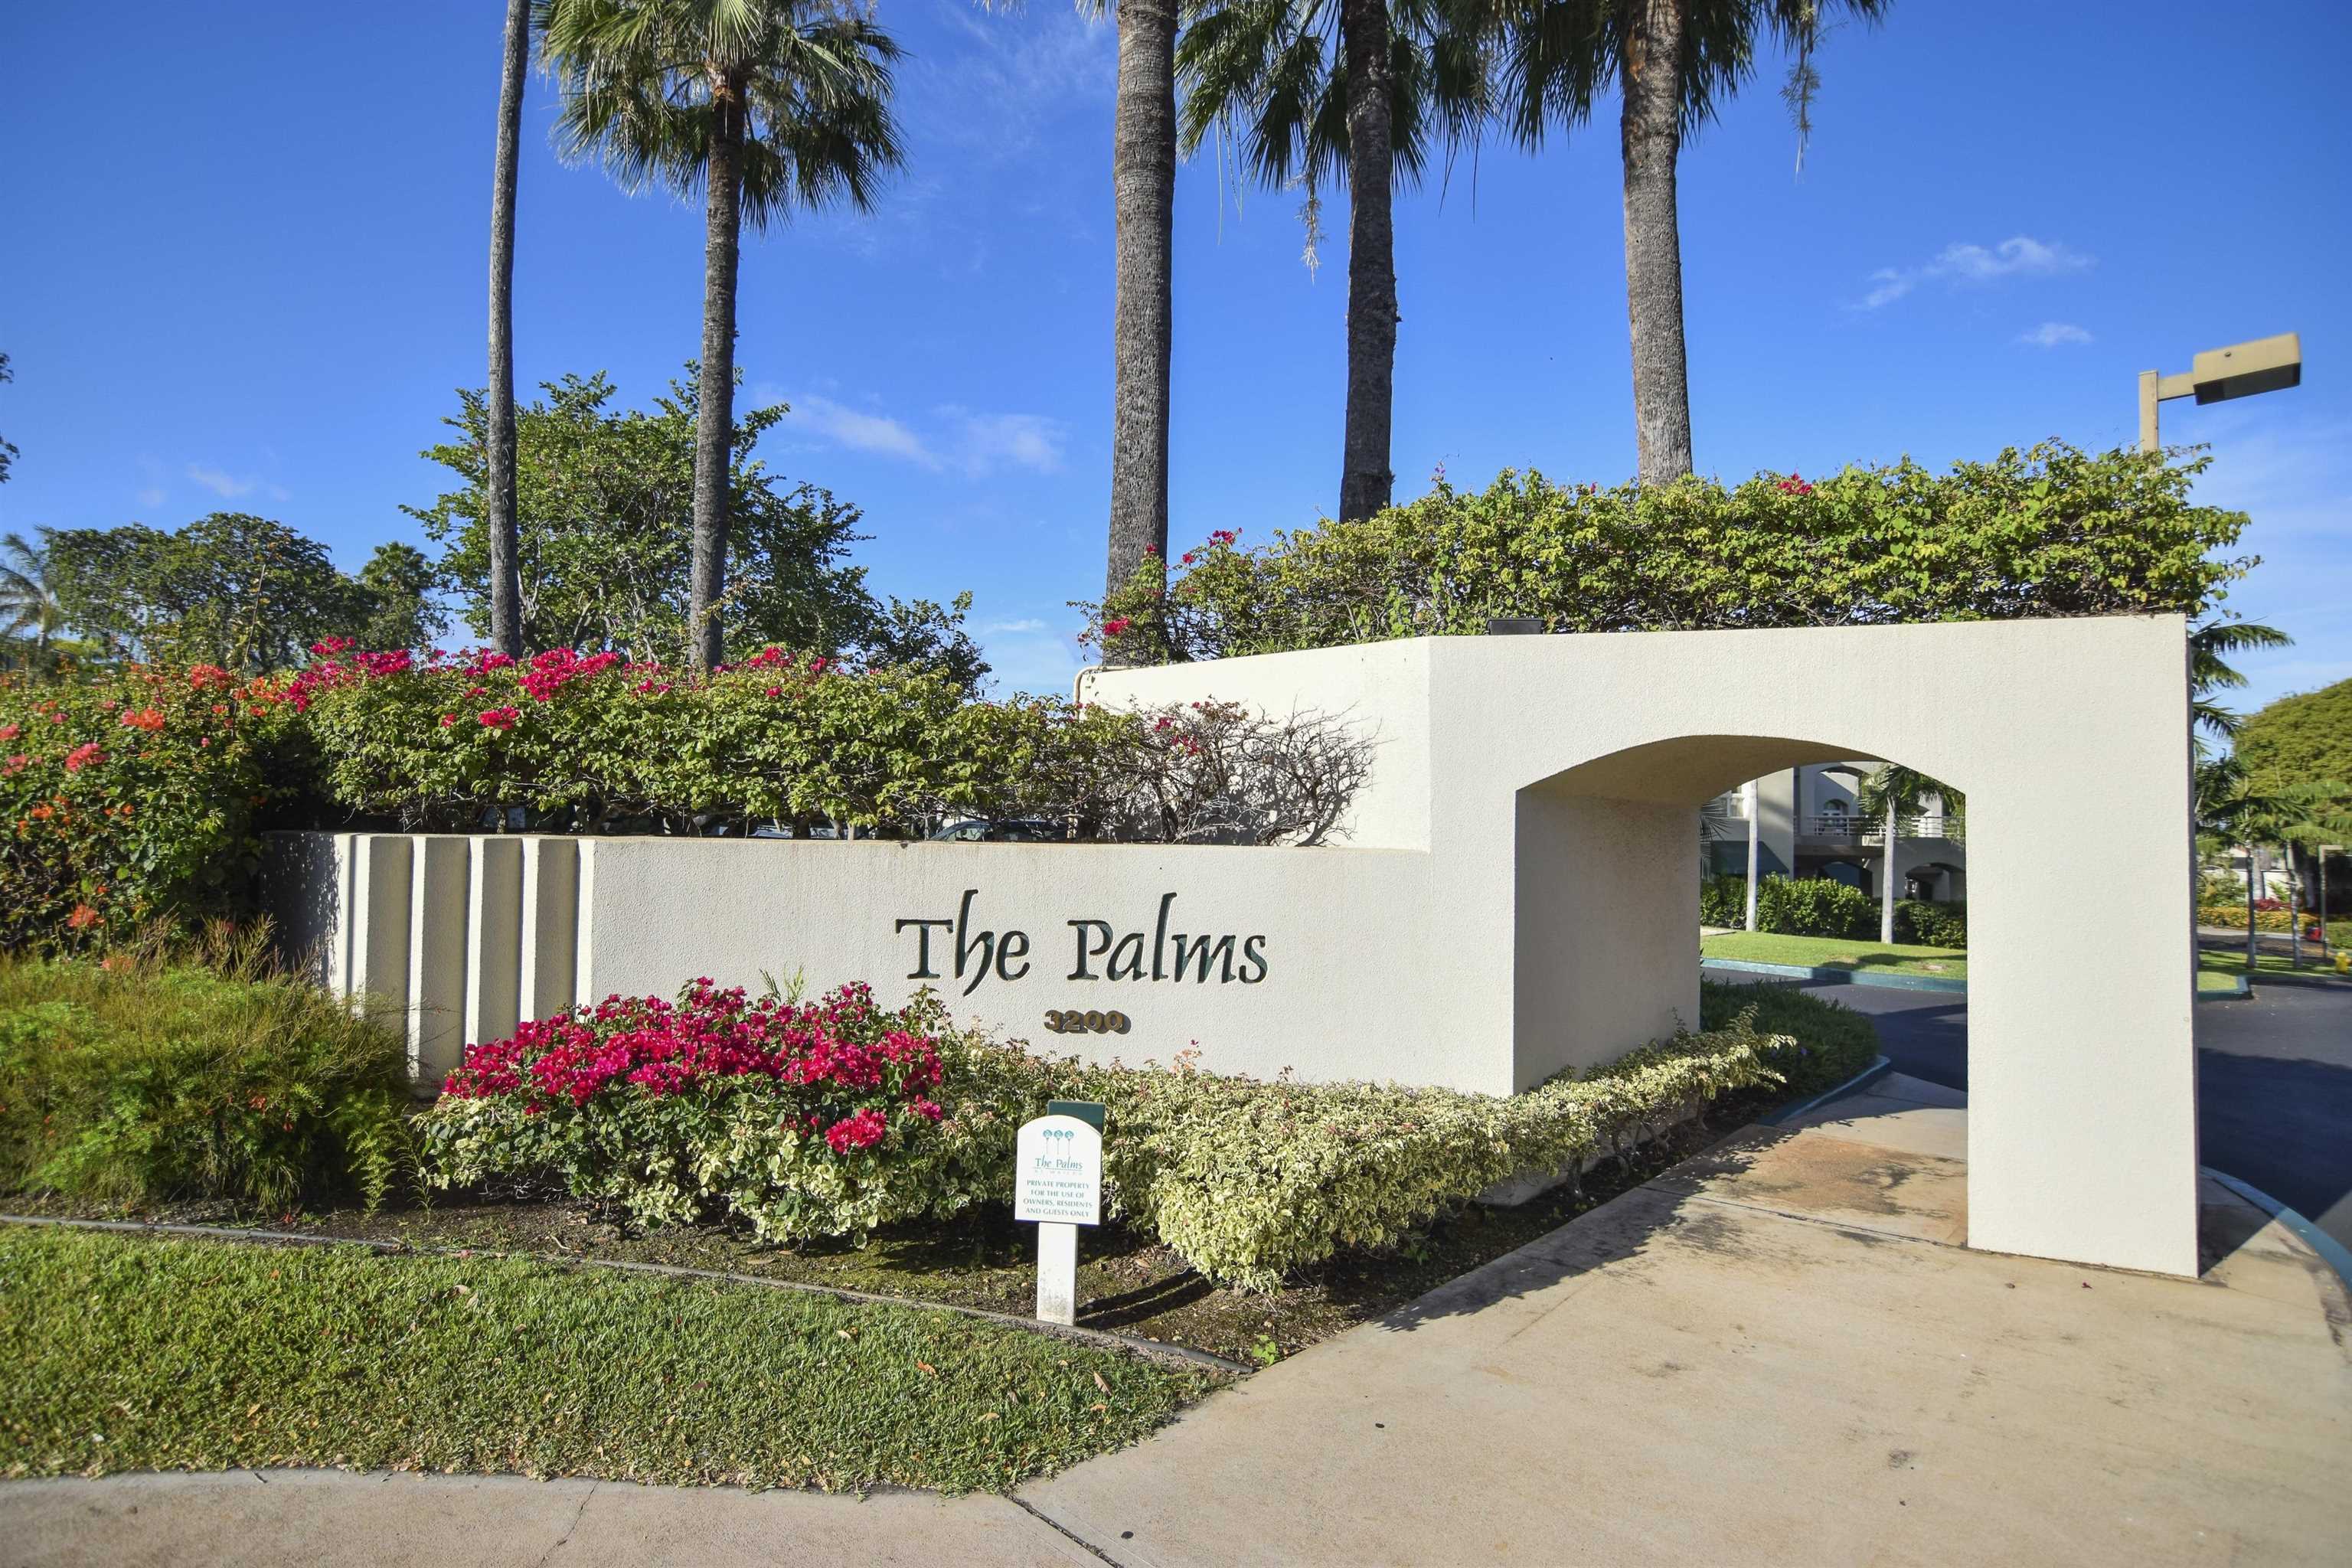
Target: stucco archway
(1599, 748)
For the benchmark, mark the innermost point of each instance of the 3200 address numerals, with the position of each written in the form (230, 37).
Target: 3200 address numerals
(1088, 1023)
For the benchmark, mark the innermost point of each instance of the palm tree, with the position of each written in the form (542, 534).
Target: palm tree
(2209, 672)
(1672, 62)
(1322, 91)
(1893, 791)
(506, 580)
(1143, 187)
(28, 600)
(762, 105)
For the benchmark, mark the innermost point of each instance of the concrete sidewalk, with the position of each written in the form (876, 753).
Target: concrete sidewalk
(1774, 1353)
(1778, 1353)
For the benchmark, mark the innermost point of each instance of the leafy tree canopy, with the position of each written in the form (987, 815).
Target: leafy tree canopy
(2300, 740)
(605, 515)
(232, 589)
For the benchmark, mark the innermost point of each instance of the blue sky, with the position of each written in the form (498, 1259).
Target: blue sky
(243, 268)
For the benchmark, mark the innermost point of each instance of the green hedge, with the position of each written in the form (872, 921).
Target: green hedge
(2047, 531)
(1817, 906)
(1833, 1042)
(141, 1082)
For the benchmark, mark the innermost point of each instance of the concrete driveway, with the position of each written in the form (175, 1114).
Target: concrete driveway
(2273, 1081)
(1774, 1353)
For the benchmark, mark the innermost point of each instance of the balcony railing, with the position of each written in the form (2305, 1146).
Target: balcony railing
(1847, 829)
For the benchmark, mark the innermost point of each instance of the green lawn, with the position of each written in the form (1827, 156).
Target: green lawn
(2216, 966)
(131, 1353)
(1833, 953)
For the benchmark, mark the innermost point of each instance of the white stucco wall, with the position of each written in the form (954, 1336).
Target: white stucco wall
(1517, 892)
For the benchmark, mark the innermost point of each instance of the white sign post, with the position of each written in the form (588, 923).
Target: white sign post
(1057, 1183)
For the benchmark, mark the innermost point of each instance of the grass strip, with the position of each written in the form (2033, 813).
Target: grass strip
(131, 1353)
(1837, 952)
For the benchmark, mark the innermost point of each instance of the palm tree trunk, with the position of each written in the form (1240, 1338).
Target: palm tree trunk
(1143, 181)
(1652, 134)
(1365, 483)
(506, 589)
(1755, 848)
(714, 425)
(1886, 889)
(2251, 873)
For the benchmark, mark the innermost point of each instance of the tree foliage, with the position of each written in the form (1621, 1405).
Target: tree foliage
(2300, 740)
(2049, 531)
(232, 589)
(606, 522)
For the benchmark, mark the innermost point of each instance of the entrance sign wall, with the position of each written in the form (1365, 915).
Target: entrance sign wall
(1516, 891)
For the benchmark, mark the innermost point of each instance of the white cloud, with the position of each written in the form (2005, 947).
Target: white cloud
(2054, 334)
(2021, 256)
(228, 485)
(985, 441)
(972, 444)
(845, 426)
(1000, 628)
(150, 497)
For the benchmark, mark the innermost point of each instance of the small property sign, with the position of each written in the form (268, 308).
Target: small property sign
(1057, 1175)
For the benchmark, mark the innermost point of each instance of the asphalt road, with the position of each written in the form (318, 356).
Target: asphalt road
(2273, 1082)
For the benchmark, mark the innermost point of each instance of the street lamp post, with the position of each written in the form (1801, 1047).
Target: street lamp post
(2241, 370)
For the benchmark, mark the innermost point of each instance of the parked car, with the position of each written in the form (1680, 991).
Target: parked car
(1001, 830)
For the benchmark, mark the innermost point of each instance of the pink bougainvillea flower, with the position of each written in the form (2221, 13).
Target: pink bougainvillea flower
(447, 719)
(10, 732)
(1115, 627)
(84, 755)
(500, 718)
(149, 718)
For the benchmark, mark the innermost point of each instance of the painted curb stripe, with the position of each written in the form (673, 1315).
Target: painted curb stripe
(1836, 976)
(1878, 1069)
(2331, 1251)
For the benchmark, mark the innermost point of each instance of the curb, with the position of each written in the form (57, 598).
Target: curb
(2244, 988)
(2331, 1251)
(1878, 1069)
(1835, 976)
(1104, 1339)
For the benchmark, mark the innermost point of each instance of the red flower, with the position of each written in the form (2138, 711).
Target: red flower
(500, 719)
(83, 756)
(150, 719)
(10, 732)
(447, 719)
(862, 1130)
(83, 917)
(1116, 627)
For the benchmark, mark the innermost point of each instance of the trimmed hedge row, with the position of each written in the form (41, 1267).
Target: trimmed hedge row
(1819, 906)
(1250, 1181)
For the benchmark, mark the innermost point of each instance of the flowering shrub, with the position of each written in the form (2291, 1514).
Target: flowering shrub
(834, 1119)
(596, 744)
(2047, 531)
(803, 1120)
(132, 798)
